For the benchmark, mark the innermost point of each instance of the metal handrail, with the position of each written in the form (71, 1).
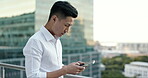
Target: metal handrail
(11, 66)
(22, 68)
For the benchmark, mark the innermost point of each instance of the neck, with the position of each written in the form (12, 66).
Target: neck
(48, 26)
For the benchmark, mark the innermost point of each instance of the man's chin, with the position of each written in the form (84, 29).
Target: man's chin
(60, 35)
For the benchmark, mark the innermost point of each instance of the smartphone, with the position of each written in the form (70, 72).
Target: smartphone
(88, 63)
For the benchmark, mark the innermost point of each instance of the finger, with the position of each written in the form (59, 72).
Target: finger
(81, 62)
(74, 73)
(77, 72)
(77, 63)
(80, 71)
(81, 68)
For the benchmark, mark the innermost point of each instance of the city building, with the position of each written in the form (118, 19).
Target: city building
(136, 69)
(15, 31)
(141, 47)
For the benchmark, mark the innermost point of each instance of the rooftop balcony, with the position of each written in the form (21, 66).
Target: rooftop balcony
(20, 73)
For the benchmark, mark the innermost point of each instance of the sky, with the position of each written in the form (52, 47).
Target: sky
(114, 20)
(121, 21)
(15, 7)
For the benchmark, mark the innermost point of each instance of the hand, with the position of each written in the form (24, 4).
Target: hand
(81, 63)
(74, 68)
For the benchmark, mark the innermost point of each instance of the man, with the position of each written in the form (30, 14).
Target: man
(43, 51)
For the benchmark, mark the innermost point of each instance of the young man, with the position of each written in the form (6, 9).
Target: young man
(43, 51)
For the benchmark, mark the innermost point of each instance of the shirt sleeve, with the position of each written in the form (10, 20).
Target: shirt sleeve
(33, 54)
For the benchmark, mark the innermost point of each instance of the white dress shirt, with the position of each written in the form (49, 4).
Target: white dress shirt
(43, 53)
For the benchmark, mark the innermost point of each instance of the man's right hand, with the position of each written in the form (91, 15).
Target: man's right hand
(74, 68)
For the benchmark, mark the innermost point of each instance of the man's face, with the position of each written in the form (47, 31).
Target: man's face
(62, 26)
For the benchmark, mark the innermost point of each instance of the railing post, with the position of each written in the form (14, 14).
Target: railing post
(3, 72)
(0, 72)
(21, 72)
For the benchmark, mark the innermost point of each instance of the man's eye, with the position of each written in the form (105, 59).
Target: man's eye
(66, 25)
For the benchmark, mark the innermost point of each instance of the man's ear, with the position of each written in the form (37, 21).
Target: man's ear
(54, 18)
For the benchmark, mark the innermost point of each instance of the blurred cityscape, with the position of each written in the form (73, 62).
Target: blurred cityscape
(123, 60)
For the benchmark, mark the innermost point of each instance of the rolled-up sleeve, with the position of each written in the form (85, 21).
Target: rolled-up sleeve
(33, 55)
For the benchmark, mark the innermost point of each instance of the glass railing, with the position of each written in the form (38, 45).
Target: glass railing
(17, 71)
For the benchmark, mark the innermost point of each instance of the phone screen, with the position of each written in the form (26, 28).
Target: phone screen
(88, 63)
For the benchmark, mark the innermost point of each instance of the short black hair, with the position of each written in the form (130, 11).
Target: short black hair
(62, 9)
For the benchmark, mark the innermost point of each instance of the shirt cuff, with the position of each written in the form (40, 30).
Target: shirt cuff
(43, 74)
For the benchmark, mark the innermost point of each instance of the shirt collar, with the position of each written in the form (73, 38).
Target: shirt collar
(48, 36)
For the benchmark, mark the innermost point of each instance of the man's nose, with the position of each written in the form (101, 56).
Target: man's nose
(66, 31)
